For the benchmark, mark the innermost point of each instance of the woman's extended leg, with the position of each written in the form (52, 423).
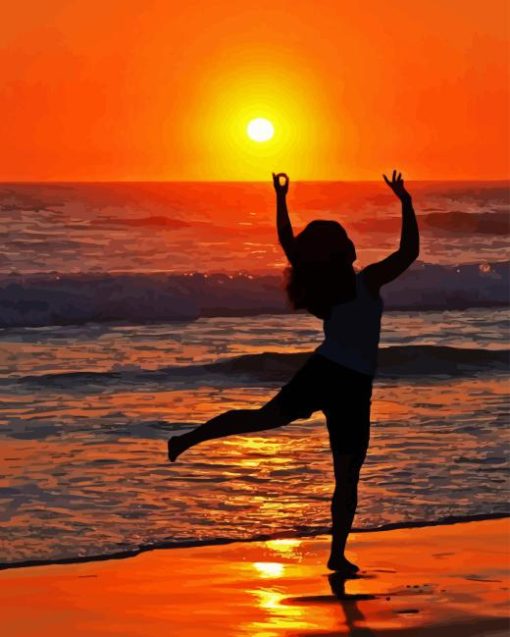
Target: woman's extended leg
(230, 423)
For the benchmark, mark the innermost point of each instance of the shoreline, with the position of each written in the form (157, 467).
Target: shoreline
(195, 544)
(423, 582)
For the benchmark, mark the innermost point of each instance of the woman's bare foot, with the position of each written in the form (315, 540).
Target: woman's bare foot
(341, 564)
(175, 448)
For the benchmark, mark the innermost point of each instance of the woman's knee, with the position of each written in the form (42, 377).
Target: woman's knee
(272, 414)
(347, 467)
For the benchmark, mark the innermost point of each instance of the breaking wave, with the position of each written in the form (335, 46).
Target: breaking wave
(53, 299)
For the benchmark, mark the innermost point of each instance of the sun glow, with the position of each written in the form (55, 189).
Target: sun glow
(260, 129)
(251, 121)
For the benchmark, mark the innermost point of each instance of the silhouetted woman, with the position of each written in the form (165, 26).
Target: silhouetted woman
(337, 378)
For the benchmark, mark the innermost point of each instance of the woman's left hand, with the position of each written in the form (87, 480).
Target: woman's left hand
(397, 185)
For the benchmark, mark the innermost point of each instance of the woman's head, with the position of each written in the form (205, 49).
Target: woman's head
(321, 274)
(323, 241)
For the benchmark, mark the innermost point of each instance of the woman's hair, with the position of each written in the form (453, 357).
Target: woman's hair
(321, 272)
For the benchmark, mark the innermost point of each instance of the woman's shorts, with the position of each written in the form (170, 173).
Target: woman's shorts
(343, 394)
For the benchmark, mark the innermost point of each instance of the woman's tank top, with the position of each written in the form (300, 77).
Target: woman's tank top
(352, 331)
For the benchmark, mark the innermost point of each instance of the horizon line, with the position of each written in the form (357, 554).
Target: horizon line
(241, 181)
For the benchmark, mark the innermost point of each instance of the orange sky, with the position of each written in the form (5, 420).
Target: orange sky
(154, 89)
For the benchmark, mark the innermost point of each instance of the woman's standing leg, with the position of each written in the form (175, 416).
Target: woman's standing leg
(343, 508)
(349, 432)
(231, 423)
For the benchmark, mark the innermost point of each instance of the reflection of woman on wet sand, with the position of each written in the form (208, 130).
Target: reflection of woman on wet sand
(337, 378)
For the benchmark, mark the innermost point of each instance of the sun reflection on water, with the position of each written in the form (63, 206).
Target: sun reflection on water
(286, 547)
(269, 569)
(280, 616)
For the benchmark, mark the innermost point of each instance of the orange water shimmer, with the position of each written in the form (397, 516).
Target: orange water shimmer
(109, 487)
(445, 580)
(164, 90)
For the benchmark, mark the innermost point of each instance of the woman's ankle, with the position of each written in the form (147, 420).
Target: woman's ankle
(338, 547)
(341, 564)
(176, 446)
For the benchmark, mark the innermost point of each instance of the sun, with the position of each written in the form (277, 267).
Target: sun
(260, 130)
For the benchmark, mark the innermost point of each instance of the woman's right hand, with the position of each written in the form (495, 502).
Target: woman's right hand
(281, 189)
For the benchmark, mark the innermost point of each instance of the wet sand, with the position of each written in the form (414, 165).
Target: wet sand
(450, 580)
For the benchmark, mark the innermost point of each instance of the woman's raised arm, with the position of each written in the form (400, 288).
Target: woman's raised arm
(284, 227)
(378, 274)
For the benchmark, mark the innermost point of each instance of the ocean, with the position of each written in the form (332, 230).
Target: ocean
(130, 311)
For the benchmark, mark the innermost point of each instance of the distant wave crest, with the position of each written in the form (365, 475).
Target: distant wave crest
(399, 360)
(272, 367)
(458, 222)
